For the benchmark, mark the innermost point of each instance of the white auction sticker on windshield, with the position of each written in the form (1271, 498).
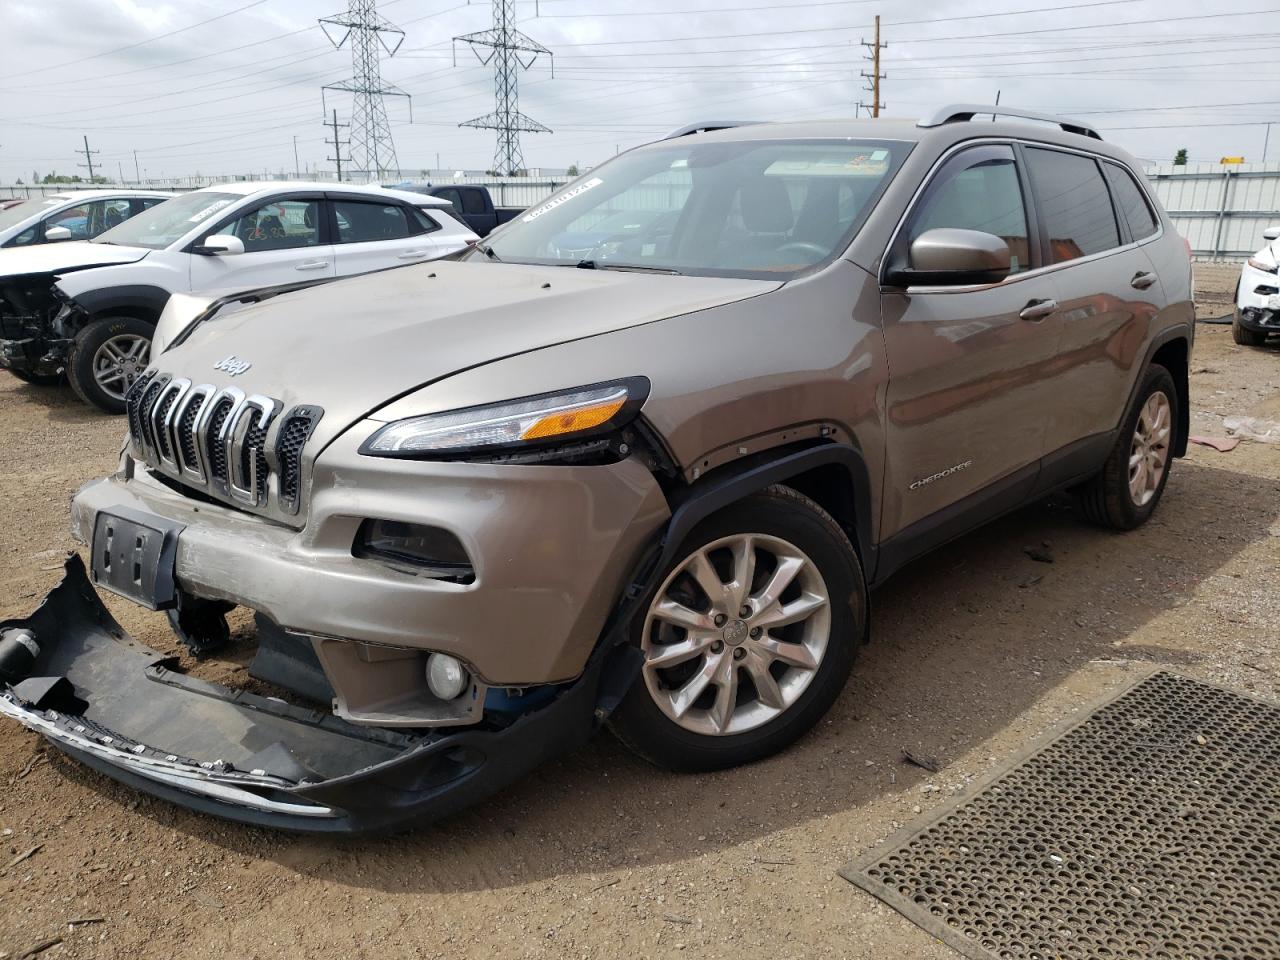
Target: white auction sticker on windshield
(563, 198)
(208, 211)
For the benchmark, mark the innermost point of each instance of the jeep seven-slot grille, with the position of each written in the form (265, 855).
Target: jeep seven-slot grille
(187, 433)
(217, 439)
(217, 453)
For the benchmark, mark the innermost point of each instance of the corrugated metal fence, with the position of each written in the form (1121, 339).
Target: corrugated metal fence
(1221, 209)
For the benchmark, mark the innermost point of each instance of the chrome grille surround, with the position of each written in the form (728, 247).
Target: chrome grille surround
(210, 438)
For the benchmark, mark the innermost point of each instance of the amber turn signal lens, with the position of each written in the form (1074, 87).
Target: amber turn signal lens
(573, 421)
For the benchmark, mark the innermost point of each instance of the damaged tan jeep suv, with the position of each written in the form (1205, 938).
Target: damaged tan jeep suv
(635, 460)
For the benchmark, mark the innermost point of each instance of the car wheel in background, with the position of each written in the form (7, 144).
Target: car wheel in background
(106, 357)
(1244, 336)
(749, 638)
(1125, 492)
(39, 379)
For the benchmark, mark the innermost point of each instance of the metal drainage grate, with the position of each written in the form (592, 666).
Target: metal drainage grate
(1151, 829)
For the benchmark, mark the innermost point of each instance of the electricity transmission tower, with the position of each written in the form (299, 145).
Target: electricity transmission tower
(875, 76)
(505, 45)
(372, 149)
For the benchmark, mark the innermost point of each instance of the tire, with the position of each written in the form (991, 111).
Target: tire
(92, 351)
(1244, 336)
(805, 684)
(1109, 499)
(39, 379)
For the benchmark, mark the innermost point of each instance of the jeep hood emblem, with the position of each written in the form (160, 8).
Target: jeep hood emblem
(232, 365)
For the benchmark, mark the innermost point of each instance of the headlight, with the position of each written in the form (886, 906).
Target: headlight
(514, 425)
(1263, 265)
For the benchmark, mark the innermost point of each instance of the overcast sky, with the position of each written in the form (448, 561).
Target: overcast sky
(229, 95)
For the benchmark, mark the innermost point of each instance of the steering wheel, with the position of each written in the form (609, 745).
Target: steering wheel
(818, 251)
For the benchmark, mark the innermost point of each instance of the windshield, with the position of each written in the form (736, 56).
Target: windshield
(753, 208)
(169, 221)
(14, 213)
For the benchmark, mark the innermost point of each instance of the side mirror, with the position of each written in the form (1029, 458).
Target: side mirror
(947, 256)
(56, 234)
(1271, 233)
(220, 245)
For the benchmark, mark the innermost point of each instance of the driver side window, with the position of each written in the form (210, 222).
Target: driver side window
(278, 225)
(982, 193)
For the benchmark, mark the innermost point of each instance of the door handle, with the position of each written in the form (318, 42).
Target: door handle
(312, 265)
(411, 255)
(1142, 280)
(1038, 309)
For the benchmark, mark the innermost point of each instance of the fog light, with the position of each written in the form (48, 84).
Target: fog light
(446, 677)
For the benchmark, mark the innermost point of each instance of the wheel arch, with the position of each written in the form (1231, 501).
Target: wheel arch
(1172, 350)
(833, 475)
(141, 301)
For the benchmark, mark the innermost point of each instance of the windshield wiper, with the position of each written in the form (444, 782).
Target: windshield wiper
(624, 267)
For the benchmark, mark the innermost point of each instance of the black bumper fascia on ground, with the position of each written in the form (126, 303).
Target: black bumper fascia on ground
(126, 712)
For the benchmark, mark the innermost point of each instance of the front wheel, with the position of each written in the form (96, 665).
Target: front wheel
(1125, 492)
(38, 379)
(749, 638)
(1243, 335)
(108, 355)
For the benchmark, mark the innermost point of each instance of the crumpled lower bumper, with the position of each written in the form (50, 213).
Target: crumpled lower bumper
(125, 710)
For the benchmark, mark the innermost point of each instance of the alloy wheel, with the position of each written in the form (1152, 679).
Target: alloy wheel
(1149, 452)
(119, 361)
(735, 634)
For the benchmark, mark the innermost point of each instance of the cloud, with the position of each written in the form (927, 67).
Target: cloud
(230, 96)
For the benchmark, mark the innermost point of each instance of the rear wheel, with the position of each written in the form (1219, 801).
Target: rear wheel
(749, 638)
(108, 355)
(1244, 336)
(1125, 492)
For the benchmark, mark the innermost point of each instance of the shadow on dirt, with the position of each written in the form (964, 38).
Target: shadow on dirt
(964, 642)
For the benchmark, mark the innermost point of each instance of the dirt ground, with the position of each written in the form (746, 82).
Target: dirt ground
(976, 651)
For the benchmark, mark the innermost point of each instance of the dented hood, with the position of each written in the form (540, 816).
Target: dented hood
(354, 345)
(56, 258)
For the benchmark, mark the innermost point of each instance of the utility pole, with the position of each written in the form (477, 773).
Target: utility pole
(338, 144)
(120, 167)
(296, 171)
(505, 44)
(88, 156)
(875, 76)
(137, 176)
(373, 150)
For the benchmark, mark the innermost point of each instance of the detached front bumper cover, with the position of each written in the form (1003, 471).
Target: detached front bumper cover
(123, 709)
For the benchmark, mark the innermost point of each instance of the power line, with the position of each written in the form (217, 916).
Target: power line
(132, 46)
(506, 44)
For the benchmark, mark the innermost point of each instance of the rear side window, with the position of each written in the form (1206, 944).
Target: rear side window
(362, 222)
(1075, 204)
(424, 222)
(979, 190)
(472, 201)
(1131, 202)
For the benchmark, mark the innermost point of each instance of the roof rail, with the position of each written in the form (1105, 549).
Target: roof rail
(707, 126)
(962, 112)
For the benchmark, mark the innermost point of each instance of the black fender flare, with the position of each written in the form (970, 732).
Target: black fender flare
(693, 505)
(141, 300)
(1180, 331)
